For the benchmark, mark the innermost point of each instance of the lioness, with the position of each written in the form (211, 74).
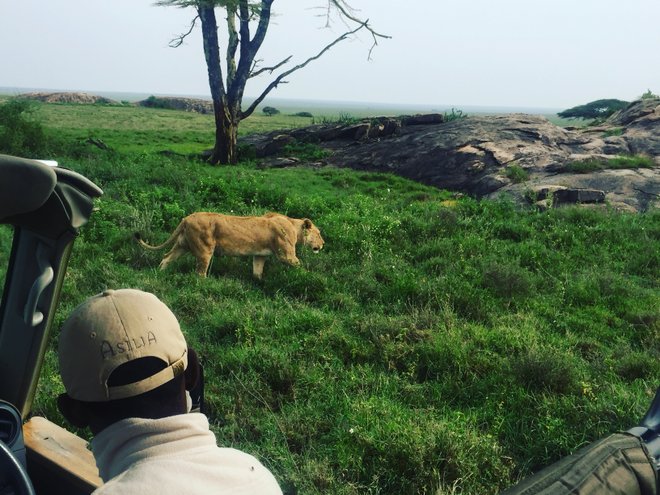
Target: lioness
(203, 234)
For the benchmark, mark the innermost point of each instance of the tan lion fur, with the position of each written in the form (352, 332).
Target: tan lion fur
(203, 234)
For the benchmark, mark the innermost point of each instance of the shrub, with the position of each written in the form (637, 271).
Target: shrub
(454, 115)
(270, 111)
(303, 114)
(506, 280)
(648, 95)
(516, 173)
(20, 133)
(547, 369)
(154, 102)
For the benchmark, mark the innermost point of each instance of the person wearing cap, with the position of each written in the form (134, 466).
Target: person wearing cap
(126, 369)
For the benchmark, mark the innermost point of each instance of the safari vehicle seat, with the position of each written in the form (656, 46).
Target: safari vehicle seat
(46, 205)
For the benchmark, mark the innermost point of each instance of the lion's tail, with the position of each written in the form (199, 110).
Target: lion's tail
(169, 240)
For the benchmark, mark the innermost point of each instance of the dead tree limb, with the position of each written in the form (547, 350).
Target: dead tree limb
(279, 79)
(255, 73)
(178, 41)
(346, 12)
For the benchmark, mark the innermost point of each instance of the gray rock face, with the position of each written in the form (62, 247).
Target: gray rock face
(478, 155)
(66, 97)
(184, 104)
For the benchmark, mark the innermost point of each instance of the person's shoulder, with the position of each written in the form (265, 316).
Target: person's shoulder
(244, 471)
(235, 473)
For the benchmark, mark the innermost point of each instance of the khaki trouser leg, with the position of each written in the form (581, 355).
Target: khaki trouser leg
(616, 465)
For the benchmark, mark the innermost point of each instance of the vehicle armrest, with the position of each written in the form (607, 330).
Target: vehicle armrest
(58, 459)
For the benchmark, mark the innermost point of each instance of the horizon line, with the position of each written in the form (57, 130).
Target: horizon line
(138, 95)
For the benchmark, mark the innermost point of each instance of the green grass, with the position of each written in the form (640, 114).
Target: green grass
(433, 343)
(619, 162)
(616, 131)
(562, 122)
(133, 129)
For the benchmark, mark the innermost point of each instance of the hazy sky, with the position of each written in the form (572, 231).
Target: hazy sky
(520, 53)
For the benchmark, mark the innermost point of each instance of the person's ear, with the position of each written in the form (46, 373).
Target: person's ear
(192, 371)
(73, 411)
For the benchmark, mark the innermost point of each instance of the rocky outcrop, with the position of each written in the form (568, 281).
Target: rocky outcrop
(516, 154)
(80, 98)
(175, 103)
(638, 126)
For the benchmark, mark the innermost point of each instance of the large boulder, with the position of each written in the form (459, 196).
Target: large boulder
(641, 126)
(479, 155)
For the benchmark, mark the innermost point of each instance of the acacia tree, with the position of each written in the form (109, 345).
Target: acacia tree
(599, 109)
(246, 26)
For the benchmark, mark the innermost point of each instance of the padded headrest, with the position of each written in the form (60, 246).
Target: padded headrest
(25, 185)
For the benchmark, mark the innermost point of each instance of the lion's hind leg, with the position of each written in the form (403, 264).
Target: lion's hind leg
(258, 266)
(203, 263)
(171, 255)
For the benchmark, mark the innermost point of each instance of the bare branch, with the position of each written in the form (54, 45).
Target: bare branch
(178, 41)
(279, 79)
(347, 12)
(255, 73)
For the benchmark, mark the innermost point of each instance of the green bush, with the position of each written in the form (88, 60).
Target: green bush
(270, 111)
(454, 115)
(21, 133)
(507, 280)
(155, 102)
(547, 370)
(516, 173)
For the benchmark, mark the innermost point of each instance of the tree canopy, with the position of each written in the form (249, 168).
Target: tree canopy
(598, 109)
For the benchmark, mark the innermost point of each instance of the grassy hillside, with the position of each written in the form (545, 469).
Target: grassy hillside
(435, 345)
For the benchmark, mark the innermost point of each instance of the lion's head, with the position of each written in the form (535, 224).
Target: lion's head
(312, 235)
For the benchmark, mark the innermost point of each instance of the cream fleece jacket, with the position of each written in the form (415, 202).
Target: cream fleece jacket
(174, 455)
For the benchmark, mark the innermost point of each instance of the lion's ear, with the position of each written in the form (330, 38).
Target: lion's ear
(307, 223)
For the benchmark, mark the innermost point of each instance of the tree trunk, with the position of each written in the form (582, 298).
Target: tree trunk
(226, 114)
(227, 100)
(225, 150)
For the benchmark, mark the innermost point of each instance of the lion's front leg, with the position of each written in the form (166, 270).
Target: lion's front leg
(286, 253)
(288, 256)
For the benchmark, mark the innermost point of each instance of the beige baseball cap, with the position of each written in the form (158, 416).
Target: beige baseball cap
(113, 328)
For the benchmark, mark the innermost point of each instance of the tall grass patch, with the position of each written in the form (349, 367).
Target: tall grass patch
(435, 343)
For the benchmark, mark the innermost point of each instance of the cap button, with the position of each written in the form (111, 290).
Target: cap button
(108, 292)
